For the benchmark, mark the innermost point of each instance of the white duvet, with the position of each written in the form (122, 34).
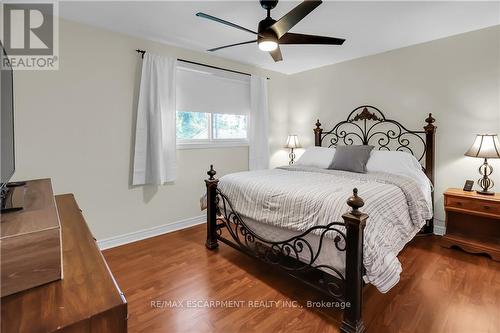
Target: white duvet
(298, 198)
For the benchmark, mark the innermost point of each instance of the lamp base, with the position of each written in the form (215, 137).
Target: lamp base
(292, 157)
(485, 192)
(485, 182)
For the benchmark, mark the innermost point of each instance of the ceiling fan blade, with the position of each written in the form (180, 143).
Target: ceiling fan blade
(276, 54)
(294, 16)
(216, 19)
(291, 38)
(225, 46)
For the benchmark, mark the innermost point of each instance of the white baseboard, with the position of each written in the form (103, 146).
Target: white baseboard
(135, 236)
(439, 228)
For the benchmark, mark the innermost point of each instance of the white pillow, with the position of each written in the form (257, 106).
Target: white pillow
(398, 162)
(319, 157)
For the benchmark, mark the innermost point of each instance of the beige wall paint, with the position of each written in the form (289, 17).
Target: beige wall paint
(456, 78)
(76, 126)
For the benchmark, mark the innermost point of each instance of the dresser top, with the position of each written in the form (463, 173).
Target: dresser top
(458, 192)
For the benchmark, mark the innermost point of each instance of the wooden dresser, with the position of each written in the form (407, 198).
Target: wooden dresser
(472, 222)
(87, 299)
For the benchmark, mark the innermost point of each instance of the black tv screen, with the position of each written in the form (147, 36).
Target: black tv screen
(7, 120)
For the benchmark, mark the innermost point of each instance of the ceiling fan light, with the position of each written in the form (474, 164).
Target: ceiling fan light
(268, 45)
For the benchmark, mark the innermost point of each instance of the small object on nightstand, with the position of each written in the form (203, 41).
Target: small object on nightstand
(292, 142)
(472, 222)
(468, 185)
(485, 146)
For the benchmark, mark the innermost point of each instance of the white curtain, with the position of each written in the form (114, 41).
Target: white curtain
(258, 124)
(154, 155)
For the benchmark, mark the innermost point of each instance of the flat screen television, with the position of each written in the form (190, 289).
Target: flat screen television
(7, 153)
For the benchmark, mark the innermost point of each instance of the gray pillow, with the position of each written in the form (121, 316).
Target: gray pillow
(351, 158)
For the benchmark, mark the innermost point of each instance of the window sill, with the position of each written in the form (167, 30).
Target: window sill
(211, 145)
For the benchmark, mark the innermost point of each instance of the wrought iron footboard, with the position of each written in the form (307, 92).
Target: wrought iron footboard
(296, 255)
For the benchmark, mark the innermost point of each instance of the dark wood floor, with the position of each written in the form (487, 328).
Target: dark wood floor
(441, 290)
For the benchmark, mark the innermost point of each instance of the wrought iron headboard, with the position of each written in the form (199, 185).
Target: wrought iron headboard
(367, 125)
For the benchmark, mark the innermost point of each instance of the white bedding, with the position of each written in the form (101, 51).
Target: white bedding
(282, 202)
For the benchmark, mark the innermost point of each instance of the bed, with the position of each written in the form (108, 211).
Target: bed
(296, 217)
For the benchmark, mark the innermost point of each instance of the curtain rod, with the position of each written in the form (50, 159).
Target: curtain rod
(142, 52)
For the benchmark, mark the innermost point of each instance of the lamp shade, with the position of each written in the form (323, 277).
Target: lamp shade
(292, 141)
(485, 146)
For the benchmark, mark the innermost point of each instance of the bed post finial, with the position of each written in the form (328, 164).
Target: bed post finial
(355, 221)
(211, 184)
(429, 120)
(211, 172)
(317, 134)
(355, 202)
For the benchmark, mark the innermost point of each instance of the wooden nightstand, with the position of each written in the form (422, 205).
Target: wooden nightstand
(472, 222)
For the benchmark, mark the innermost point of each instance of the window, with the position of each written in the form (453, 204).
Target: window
(212, 107)
(229, 126)
(210, 129)
(192, 126)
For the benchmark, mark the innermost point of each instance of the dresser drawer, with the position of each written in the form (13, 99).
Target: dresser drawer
(478, 206)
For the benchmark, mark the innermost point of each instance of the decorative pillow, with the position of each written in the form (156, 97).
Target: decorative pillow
(398, 162)
(319, 157)
(351, 158)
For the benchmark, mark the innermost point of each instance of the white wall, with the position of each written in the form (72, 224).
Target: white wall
(75, 125)
(456, 78)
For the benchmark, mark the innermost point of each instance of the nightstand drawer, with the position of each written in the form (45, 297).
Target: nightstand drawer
(488, 207)
(473, 205)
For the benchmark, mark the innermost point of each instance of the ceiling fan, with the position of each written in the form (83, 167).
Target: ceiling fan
(271, 33)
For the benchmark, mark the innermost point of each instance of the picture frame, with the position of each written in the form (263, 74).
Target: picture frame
(469, 184)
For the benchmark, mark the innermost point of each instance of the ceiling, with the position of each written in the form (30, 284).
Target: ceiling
(369, 27)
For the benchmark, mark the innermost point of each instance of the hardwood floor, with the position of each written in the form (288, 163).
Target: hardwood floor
(441, 290)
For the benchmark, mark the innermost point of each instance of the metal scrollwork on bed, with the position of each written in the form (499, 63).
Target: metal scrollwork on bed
(295, 254)
(367, 125)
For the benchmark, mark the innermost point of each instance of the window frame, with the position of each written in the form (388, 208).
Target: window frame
(211, 142)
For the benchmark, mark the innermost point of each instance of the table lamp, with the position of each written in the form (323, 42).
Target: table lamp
(485, 146)
(292, 142)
